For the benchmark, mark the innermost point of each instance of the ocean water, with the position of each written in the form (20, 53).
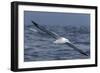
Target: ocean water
(39, 46)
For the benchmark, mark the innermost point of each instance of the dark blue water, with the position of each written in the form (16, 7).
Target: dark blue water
(39, 46)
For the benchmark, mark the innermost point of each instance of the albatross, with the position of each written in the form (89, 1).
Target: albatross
(59, 39)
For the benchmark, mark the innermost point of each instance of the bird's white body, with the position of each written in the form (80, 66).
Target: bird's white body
(61, 40)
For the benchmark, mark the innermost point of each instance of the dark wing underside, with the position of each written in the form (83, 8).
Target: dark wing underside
(53, 34)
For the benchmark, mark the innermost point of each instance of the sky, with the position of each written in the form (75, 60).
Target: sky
(55, 18)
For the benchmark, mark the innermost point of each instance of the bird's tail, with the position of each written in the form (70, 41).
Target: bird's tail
(77, 49)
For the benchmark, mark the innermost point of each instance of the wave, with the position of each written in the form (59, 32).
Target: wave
(39, 46)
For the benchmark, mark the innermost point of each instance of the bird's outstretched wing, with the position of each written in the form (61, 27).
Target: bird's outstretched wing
(56, 36)
(53, 34)
(75, 48)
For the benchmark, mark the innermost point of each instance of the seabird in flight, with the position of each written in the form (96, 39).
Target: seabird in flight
(59, 39)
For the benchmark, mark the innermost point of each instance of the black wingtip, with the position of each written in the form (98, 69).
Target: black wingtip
(85, 54)
(32, 21)
(35, 23)
(71, 45)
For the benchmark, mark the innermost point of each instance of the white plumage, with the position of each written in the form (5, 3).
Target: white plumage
(61, 40)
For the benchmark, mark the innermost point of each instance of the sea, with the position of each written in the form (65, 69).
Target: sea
(39, 46)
